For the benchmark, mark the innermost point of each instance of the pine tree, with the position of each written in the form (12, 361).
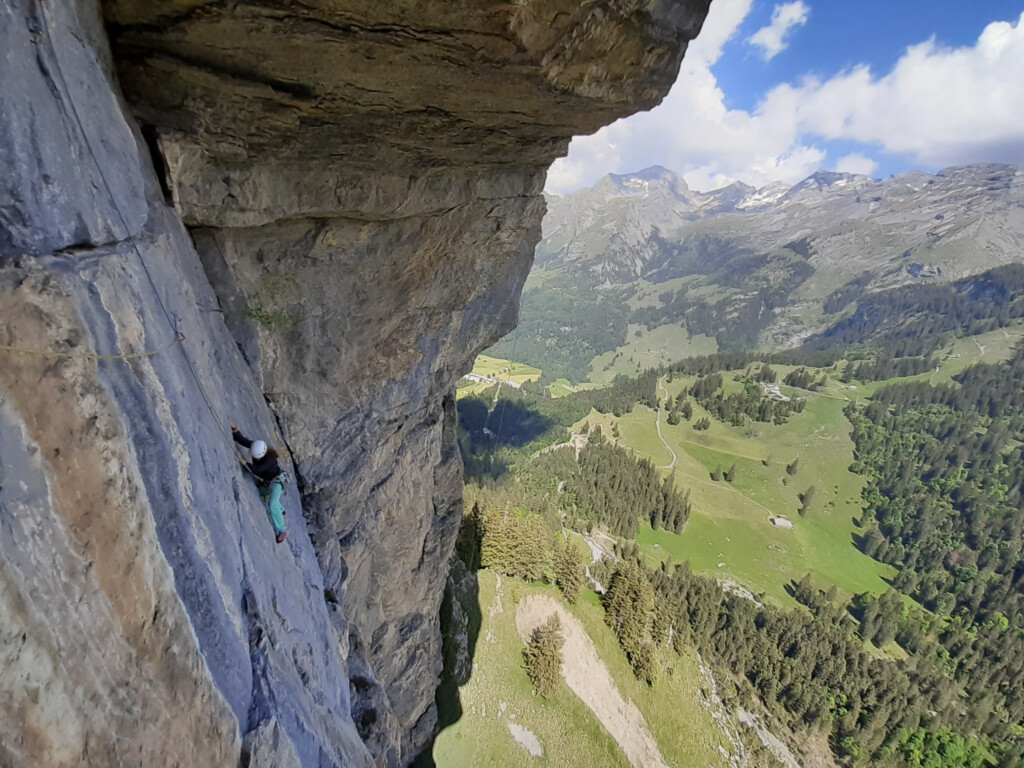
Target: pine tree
(470, 537)
(628, 604)
(805, 500)
(569, 571)
(496, 545)
(532, 548)
(686, 409)
(645, 663)
(543, 657)
(515, 544)
(665, 615)
(803, 593)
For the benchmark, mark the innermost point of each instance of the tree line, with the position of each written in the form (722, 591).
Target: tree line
(515, 542)
(886, 367)
(810, 671)
(915, 320)
(749, 403)
(944, 505)
(609, 486)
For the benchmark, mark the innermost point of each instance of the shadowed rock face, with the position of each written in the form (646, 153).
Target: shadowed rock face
(361, 181)
(349, 89)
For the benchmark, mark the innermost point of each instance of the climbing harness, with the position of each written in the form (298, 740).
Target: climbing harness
(282, 479)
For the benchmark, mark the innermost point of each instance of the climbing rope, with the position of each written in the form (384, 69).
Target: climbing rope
(511, 362)
(180, 337)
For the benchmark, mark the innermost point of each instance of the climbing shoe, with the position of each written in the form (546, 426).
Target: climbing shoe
(280, 537)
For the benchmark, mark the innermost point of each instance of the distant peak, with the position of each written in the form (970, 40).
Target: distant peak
(651, 174)
(740, 185)
(641, 181)
(823, 177)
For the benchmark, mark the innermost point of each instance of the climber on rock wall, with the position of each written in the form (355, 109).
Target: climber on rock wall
(270, 478)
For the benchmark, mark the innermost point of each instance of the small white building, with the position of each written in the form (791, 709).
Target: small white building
(781, 521)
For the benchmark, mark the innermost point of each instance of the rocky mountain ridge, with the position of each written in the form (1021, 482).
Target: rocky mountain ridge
(306, 218)
(807, 240)
(641, 266)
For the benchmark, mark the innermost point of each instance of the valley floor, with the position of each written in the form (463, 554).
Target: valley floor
(603, 716)
(730, 534)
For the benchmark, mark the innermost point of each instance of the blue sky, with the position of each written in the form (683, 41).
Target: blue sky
(774, 90)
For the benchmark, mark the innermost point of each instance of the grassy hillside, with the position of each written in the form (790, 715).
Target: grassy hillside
(500, 369)
(729, 534)
(649, 349)
(567, 731)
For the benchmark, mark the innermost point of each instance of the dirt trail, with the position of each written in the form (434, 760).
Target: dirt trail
(658, 424)
(587, 677)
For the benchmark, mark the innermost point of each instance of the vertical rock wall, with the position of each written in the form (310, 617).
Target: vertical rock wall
(361, 186)
(363, 329)
(146, 615)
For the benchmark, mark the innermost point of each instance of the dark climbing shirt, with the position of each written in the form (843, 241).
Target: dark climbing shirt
(265, 468)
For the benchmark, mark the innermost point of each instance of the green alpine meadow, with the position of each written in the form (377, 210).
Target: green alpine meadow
(768, 498)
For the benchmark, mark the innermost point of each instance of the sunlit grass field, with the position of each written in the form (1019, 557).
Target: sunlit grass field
(497, 368)
(566, 728)
(729, 534)
(659, 346)
(569, 733)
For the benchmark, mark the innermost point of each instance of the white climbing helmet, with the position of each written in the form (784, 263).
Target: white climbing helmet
(258, 449)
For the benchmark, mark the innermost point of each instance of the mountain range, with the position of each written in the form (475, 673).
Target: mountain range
(764, 268)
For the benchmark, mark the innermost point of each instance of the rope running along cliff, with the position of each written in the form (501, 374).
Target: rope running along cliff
(174, 324)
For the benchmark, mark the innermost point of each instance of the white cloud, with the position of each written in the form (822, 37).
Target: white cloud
(856, 163)
(937, 107)
(589, 158)
(785, 18)
(693, 131)
(722, 22)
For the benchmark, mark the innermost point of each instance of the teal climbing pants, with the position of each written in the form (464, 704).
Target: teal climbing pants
(271, 495)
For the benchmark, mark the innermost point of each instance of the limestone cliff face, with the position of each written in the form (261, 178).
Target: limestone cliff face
(336, 203)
